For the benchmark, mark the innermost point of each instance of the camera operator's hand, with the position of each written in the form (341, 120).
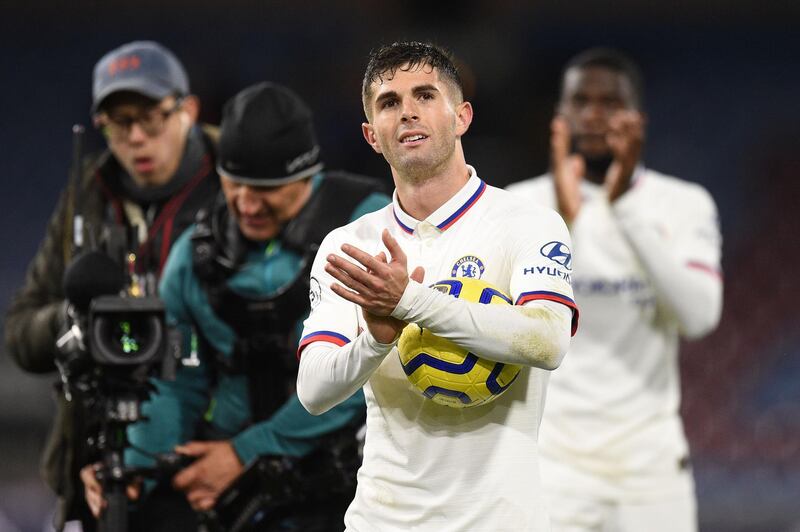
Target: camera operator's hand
(215, 467)
(93, 490)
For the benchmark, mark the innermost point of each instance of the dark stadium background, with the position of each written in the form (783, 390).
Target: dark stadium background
(722, 99)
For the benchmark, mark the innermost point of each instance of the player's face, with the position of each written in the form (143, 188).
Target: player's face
(261, 212)
(416, 121)
(146, 137)
(590, 97)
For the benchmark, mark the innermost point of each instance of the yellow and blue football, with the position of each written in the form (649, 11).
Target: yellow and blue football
(446, 373)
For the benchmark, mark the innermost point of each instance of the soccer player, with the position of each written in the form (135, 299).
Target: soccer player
(428, 466)
(613, 451)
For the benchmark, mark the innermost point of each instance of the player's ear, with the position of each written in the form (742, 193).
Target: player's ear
(463, 117)
(369, 135)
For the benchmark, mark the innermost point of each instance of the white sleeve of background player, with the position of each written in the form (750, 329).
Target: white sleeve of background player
(336, 358)
(683, 259)
(534, 335)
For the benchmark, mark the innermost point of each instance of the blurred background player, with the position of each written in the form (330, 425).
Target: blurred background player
(429, 466)
(646, 272)
(159, 169)
(237, 284)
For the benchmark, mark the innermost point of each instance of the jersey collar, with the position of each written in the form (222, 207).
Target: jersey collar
(448, 214)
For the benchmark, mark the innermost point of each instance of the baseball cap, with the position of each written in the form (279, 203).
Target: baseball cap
(267, 137)
(144, 67)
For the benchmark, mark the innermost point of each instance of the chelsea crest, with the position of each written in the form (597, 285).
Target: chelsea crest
(468, 266)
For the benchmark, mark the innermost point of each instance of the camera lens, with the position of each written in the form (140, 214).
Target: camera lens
(127, 338)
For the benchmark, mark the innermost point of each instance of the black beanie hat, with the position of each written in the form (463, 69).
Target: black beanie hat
(267, 138)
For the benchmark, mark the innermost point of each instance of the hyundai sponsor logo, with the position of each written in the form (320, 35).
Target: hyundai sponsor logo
(548, 270)
(558, 252)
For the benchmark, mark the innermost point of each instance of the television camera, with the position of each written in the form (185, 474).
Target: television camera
(113, 343)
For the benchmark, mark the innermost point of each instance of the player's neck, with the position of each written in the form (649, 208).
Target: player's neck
(421, 196)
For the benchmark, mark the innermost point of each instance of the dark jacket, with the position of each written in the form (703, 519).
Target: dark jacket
(36, 314)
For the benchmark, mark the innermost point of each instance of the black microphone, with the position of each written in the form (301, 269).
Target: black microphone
(90, 275)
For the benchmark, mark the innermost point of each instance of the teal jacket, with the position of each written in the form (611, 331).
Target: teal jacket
(176, 410)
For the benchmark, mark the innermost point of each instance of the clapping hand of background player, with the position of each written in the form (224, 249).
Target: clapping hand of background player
(568, 169)
(625, 137)
(376, 286)
(216, 465)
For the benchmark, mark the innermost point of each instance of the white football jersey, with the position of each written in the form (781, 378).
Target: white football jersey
(433, 467)
(646, 269)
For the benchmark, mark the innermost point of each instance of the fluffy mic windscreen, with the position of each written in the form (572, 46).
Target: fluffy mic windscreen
(90, 275)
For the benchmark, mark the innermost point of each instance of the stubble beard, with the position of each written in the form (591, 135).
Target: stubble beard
(418, 169)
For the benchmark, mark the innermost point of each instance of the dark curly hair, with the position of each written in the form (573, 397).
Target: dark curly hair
(408, 56)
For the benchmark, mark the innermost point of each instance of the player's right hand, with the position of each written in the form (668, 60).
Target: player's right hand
(568, 170)
(375, 283)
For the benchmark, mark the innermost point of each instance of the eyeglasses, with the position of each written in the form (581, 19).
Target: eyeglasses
(152, 120)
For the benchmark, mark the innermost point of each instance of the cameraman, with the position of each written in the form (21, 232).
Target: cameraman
(237, 285)
(159, 169)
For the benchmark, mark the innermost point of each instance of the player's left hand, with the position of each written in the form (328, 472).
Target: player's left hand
(625, 138)
(215, 467)
(377, 284)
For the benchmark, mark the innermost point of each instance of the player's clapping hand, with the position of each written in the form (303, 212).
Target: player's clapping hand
(376, 284)
(625, 138)
(568, 169)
